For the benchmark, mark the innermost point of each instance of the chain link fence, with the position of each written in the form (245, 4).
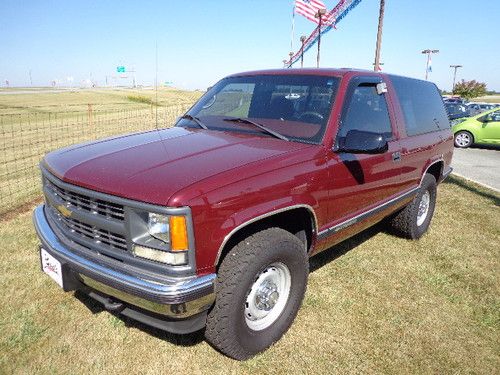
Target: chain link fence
(25, 138)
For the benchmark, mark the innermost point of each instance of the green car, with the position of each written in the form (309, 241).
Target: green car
(480, 129)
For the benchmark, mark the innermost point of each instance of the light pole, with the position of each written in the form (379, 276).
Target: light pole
(302, 40)
(376, 66)
(291, 55)
(319, 15)
(455, 67)
(428, 52)
(285, 62)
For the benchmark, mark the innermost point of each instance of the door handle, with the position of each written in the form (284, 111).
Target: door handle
(396, 156)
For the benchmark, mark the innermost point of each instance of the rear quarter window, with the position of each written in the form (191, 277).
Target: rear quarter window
(422, 105)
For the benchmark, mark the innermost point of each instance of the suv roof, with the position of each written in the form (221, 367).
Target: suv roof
(312, 71)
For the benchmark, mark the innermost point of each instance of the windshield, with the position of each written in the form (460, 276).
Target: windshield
(295, 106)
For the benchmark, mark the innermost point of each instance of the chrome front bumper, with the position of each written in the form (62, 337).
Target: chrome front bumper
(177, 298)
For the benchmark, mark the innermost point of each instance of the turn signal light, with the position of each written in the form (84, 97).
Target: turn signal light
(178, 233)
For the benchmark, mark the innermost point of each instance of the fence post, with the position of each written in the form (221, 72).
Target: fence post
(90, 120)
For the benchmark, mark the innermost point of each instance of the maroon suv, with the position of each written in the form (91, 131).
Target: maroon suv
(211, 223)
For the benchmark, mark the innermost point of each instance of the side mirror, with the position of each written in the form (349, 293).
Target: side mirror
(363, 142)
(486, 118)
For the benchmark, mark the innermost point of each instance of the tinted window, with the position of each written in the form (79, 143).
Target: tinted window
(297, 106)
(422, 105)
(495, 116)
(367, 111)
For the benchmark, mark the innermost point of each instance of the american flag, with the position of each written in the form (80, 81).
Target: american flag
(308, 8)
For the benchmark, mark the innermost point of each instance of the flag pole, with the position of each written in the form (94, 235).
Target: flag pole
(293, 26)
(319, 15)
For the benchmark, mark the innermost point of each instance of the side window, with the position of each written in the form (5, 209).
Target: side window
(366, 111)
(422, 106)
(496, 116)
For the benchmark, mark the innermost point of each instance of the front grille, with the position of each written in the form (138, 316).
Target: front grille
(86, 231)
(86, 219)
(87, 203)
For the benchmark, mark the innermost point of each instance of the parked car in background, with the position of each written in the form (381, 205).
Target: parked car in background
(480, 129)
(455, 100)
(456, 111)
(477, 108)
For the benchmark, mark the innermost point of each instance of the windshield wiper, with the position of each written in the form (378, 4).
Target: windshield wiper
(195, 119)
(260, 126)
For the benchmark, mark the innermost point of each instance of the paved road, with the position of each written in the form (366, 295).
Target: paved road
(481, 165)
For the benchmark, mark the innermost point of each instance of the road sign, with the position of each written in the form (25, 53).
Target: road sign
(120, 69)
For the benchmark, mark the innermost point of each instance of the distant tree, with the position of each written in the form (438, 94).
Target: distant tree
(470, 89)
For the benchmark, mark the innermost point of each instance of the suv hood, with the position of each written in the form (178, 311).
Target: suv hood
(152, 166)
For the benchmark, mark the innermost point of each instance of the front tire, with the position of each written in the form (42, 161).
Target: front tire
(463, 139)
(260, 287)
(414, 220)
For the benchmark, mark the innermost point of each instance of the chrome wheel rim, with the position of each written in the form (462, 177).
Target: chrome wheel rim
(267, 296)
(423, 208)
(462, 139)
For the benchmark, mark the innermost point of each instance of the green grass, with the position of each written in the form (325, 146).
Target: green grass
(374, 304)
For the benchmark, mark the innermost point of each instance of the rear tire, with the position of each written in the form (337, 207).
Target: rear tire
(463, 139)
(260, 287)
(414, 220)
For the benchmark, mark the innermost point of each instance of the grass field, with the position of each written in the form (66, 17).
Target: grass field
(32, 124)
(374, 304)
(45, 101)
(488, 99)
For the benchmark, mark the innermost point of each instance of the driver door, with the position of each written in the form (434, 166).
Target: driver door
(490, 130)
(360, 182)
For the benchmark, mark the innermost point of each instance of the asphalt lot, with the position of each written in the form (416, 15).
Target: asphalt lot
(481, 165)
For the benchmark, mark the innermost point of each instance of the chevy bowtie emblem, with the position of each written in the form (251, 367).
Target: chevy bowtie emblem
(63, 210)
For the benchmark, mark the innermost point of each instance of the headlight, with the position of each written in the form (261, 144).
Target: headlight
(162, 238)
(158, 227)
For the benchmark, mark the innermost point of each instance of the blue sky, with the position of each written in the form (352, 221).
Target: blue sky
(199, 42)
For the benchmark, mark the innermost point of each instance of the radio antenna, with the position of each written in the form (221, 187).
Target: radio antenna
(156, 86)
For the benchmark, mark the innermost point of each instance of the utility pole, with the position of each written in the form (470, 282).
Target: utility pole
(31, 79)
(302, 40)
(376, 66)
(428, 52)
(455, 67)
(319, 15)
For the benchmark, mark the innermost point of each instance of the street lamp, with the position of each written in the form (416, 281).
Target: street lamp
(291, 55)
(302, 40)
(428, 52)
(319, 15)
(285, 62)
(455, 67)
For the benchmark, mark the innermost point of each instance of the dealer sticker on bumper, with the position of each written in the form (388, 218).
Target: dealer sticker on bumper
(52, 267)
